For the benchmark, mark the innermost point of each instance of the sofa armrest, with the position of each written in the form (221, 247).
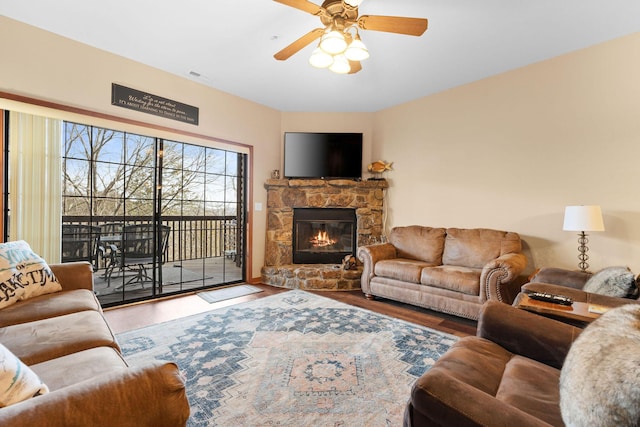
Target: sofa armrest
(560, 276)
(152, 395)
(498, 276)
(369, 255)
(74, 275)
(527, 334)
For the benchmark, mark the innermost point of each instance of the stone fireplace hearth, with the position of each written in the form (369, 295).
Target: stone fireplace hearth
(365, 197)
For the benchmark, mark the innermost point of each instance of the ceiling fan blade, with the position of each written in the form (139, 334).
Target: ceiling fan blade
(355, 66)
(394, 24)
(303, 5)
(302, 42)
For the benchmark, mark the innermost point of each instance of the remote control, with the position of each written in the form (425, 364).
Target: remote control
(556, 299)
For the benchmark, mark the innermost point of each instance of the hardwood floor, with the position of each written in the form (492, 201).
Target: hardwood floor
(138, 315)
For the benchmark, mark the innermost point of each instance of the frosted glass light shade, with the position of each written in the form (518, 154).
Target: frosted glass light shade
(340, 65)
(356, 51)
(353, 3)
(333, 42)
(583, 218)
(320, 59)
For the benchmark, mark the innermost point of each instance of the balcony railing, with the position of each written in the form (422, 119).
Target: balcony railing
(191, 237)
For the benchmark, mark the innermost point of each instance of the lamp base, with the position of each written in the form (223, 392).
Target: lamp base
(583, 249)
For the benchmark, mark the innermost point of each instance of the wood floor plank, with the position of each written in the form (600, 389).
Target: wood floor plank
(138, 315)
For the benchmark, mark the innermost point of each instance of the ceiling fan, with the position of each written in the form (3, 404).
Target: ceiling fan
(339, 49)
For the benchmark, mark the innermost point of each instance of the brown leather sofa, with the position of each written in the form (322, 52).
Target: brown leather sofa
(64, 338)
(507, 375)
(451, 270)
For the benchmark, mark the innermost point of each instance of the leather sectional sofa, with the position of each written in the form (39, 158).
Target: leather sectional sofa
(64, 338)
(451, 270)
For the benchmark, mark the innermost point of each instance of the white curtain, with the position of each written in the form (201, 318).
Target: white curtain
(35, 183)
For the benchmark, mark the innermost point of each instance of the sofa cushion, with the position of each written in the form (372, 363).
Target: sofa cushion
(532, 387)
(50, 305)
(84, 364)
(417, 242)
(459, 279)
(406, 270)
(476, 247)
(612, 281)
(23, 274)
(40, 340)
(17, 381)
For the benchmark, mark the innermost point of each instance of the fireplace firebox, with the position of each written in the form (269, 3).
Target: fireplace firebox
(323, 235)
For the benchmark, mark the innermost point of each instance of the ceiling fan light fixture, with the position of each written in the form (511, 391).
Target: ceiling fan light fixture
(320, 59)
(352, 3)
(333, 42)
(356, 51)
(340, 65)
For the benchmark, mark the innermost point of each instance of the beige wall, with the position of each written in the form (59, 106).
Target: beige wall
(42, 65)
(507, 152)
(511, 151)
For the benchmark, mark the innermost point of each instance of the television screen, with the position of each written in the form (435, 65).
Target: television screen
(322, 155)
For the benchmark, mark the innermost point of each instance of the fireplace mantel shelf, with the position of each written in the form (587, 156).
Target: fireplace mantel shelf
(295, 183)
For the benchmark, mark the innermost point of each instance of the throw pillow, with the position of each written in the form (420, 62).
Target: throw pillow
(612, 281)
(23, 274)
(600, 379)
(17, 381)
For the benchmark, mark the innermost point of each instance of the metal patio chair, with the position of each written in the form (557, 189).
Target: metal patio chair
(79, 243)
(136, 251)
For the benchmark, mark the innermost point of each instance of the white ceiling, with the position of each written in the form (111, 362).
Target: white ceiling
(231, 43)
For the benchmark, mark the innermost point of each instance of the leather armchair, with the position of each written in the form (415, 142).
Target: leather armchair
(506, 375)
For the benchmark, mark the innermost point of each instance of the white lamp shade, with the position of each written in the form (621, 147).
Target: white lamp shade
(353, 3)
(356, 51)
(583, 218)
(320, 59)
(340, 65)
(333, 42)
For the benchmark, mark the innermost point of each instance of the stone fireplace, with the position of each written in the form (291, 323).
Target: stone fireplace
(284, 197)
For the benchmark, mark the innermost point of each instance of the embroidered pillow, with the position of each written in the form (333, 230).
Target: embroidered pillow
(612, 281)
(17, 381)
(23, 274)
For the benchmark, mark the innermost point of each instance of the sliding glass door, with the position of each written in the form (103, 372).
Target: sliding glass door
(154, 217)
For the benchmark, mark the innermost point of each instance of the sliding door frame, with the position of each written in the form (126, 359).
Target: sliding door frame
(248, 226)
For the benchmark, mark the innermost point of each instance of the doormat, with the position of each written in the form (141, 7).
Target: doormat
(228, 293)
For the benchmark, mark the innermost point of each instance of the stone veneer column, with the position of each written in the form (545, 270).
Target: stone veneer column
(366, 197)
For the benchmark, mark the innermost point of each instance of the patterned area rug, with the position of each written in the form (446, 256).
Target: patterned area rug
(292, 359)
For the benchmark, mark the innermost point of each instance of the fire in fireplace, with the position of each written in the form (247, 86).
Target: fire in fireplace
(323, 235)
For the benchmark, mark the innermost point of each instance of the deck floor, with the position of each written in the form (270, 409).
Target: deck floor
(176, 277)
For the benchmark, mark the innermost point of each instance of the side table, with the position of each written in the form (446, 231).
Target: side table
(577, 314)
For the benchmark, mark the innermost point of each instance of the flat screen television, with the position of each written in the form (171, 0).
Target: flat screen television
(322, 155)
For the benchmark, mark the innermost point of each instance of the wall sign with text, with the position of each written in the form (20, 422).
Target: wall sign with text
(151, 104)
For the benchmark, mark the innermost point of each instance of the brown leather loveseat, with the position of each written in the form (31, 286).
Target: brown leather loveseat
(451, 270)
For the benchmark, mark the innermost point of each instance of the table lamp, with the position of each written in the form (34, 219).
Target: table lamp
(583, 218)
